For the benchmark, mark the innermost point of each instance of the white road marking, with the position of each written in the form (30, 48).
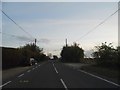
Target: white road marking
(5, 84)
(21, 75)
(53, 64)
(99, 78)
(63, 84)
(28, 70)
(55, 68)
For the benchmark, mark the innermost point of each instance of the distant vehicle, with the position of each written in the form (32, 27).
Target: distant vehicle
(36, 63)
(33, 61)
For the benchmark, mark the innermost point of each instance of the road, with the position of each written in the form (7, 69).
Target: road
(57, 75)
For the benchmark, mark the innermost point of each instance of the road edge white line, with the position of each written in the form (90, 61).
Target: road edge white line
(64, 84)
(21, 75)
(5, 84)
(100, 78)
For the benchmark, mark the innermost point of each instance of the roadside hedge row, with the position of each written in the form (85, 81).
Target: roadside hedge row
(14, 57)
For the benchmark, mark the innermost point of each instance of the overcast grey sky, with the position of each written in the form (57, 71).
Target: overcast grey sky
(52, 22)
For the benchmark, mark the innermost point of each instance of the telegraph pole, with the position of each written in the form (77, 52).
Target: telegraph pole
(66, 42)
(35, 41)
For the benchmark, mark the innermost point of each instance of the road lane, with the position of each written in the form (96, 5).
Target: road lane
(41, 77)
(77, 79)
(56, 75)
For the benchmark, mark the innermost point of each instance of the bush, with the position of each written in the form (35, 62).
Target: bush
(106, 55)
(10, 57)
(72, 53)
(13, 57)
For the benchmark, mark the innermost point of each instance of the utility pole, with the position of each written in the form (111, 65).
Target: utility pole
(66, 42)
(35, 41)
(118, 23)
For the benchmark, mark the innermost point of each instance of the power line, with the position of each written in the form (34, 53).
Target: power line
(16, 24)
(98, 25)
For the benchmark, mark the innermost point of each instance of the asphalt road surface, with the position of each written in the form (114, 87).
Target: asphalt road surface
(57, 75)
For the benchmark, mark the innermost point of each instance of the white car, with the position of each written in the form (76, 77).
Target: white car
(33, 61)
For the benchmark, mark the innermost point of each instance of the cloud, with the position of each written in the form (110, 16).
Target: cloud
(23, 38)
(43, 40)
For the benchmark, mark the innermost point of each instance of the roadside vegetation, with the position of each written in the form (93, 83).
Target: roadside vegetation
(105, 59)
(106, 55)
(103, 55)
(72, 53)
(14, 57)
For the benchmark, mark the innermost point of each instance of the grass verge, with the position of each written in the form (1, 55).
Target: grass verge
(104, 71)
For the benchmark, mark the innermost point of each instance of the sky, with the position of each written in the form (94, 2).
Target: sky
(52, 22)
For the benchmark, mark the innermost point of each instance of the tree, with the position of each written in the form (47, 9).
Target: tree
(72, 53)
(55, 57)
(13, 57)
(105, 54)
(31, 51)
(118, 54)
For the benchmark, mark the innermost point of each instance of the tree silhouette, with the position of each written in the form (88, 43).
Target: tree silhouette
(13, 57)
(31, 50)
(106, 54)
(72, 53)
(55, 57)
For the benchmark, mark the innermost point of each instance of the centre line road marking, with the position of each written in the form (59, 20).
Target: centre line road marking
(5, 84)
(64, 84)
(100, 78)
(53, 64)
(55, 68)
(21, 75)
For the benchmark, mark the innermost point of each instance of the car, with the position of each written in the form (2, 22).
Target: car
(33, 61)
